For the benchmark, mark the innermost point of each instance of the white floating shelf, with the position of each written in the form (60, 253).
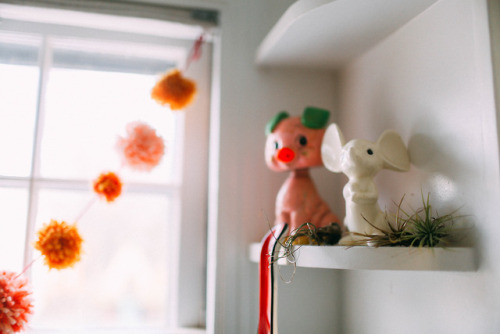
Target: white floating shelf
(382, 258)
(326, 34)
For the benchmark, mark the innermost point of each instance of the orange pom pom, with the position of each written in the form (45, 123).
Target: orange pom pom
(108, 185)
(175, 90)
(60, 243)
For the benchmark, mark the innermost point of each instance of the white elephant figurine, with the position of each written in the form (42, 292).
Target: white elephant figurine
(361, 160)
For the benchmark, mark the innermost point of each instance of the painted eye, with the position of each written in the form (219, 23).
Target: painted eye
(369, 151)
(276, 145)
(303, 140)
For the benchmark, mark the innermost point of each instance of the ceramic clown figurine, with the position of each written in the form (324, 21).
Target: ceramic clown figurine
(294, 145)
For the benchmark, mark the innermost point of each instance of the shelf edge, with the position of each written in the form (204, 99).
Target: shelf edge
(382, 258)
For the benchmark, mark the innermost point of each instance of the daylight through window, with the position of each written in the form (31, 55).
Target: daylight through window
(67, 93)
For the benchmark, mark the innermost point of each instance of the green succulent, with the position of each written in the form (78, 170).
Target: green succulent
(420, 229)
(429, 231)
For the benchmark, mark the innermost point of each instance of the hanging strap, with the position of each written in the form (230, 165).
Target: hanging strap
(268, 305)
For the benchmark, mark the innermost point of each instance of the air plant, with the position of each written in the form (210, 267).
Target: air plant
(309, 234)
(429, 231)
(419, 228)
(305, 234)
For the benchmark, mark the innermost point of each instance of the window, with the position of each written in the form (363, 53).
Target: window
(70, 82)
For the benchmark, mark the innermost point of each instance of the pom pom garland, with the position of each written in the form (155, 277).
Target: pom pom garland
(15, 302)
(142, 149)
(108, 185)
(60, 243)
(174, 89)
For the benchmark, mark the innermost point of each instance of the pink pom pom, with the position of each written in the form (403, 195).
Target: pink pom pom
(15, 302)
(142, 149)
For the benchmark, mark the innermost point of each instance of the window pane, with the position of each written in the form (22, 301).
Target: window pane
(13, 227)
(93, 84)
(19, 49)
(18, 98)
(87, 110)
(122, 279)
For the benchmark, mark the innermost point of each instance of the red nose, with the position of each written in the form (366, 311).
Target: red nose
(285, 155)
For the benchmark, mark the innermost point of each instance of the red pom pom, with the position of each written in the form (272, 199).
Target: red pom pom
(15, 302)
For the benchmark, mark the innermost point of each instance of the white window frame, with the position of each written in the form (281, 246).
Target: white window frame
(189, 287)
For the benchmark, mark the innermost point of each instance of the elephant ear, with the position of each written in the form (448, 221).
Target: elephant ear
(331, 148)
(392, 150)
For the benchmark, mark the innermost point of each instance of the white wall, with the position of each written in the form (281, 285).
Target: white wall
(432, 82)
(243, 190)
(246, 189)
